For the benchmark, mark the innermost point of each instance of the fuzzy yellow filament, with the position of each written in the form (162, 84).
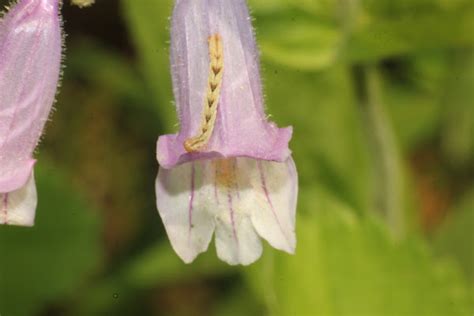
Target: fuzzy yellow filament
(216, 68)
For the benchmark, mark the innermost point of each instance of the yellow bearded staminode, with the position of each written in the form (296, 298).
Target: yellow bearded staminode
(216, 66)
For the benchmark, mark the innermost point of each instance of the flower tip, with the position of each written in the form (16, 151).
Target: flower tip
(292, 249)
(186, 256)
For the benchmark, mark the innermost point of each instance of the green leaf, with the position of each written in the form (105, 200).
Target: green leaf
(347, 265)
(300, 34)
(298, 39)
(50, 260)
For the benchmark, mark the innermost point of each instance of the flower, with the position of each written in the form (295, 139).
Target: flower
(30, 58)
(228, 170)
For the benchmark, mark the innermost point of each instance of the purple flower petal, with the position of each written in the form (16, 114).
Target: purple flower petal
(30, 54)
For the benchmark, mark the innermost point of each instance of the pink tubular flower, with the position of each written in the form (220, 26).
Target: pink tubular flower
(30, 57)
(228, 170)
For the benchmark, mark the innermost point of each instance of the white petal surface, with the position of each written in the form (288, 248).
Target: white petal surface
(181, 197)
(241, 198)
(273, 200)
(18, 207)
(236, 239)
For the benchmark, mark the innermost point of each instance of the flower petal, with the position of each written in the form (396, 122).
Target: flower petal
(15, 175)
(18, 207)
(30, 55)
(181, 195)
(272, 199)
(257, 197)
(241, 127)
(236, 239)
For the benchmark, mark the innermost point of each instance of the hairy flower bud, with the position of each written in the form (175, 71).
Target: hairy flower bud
(30, 58)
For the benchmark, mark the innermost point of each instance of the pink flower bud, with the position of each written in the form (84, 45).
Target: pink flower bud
(30, 58)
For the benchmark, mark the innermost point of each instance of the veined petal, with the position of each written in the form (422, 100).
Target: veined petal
(237, 241)
(241, 198)
(239, 125)
(181, 196)
(267, 192)
(275, 197)
(30, 54)
(239, 246)
(18, 207)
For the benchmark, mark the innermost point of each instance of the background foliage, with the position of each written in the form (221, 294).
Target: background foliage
(380, 96)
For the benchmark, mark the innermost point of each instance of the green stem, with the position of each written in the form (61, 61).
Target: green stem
(381, 139)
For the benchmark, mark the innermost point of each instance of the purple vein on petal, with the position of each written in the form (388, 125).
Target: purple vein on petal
(267, 195)
(236, 182)
(216, 194)
(191, 201)
(232, 219)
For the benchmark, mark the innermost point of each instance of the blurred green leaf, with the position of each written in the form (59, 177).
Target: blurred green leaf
(329, 143)
(51, 260)
(455, 237)
(350, 266)
(313, 35)
(458, 105)
(301, 34)
(239, 301)
(409, 28)
(413, 90)
(106, 70)
(160, 265)
(148, 23)
(299, 39)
